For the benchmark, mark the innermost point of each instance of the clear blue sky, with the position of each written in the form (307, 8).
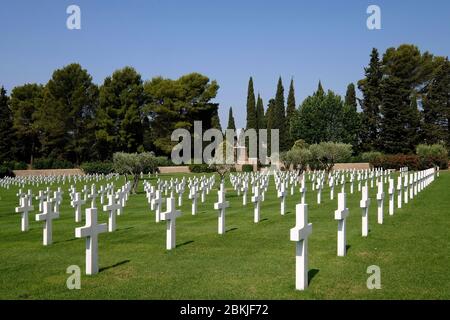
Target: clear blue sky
(225, 40)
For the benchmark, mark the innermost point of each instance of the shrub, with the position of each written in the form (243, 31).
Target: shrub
(49, 163)
(163, 161)
(432, 155)
(6, 172)
(397, 161)
(97, 167)
(371, 156)
(15, 165)
(326, 154)
(247, 168)
(201, 168)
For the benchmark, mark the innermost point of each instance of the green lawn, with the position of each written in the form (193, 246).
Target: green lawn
(251, 261)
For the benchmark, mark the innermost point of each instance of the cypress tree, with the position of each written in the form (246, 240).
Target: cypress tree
(251, 106)
(290, 111)
(279, 115)
(261, 119)
(231, 124)
(350, 96)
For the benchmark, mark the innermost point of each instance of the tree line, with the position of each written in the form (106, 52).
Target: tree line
(71, 118)
(405, 101)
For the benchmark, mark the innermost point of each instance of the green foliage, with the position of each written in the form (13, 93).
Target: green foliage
(50, 163)
(320, 118)
(173, 104)
(298, 158)
(119, 121)
(371, 156)
(251, 106)
(6, 172)
(247, 168)
(15, 165)
(6, 127)
(26, 100)
(231, 125)
(66, 116)
(432, 155)
(279, 116)
(100, 167)
(326, 154)
(436, 106)
(134, 164)
(370, 87)
(350, 97)
(201, 168)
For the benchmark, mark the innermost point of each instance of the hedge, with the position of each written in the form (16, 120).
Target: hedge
(201, 168)
(413, 162)
(247, 168)
(49, 163)
(97, 167)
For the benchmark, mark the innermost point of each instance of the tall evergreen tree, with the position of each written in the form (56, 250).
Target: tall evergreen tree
(66, 117)
(26, 100)
(370, 87)
(320, 91)
(231, 124)
(270, 122)
(350, 96)
(279, 115)
(6, 127)
(290, 112)
(251, 106)
(436, 107)
(119, 115)
(261, 118)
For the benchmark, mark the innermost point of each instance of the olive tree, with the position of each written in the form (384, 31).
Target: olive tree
(133, 164)
(326, 154)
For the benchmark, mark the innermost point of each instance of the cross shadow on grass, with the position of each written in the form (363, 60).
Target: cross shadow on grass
(232, 229)
(265, 219)
(184, 243)
(128, 228)
(114, 265)
(347, 248)
(311, 274)
(62, 241)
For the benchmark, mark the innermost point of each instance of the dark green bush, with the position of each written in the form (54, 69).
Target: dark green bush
(6, 172)
(15, 165)
(201, 168)
(247, 168)
(49, 163)
(97, 167)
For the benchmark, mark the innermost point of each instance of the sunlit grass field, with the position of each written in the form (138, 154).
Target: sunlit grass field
(250, 261)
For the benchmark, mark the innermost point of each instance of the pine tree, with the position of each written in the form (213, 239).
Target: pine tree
(320, 91)
(370, 87)
(26, 100)
(6, 128)
(350, 96)
(231, 124)
(251, 106)
(436, 107)
(270, 122)
(279, 115)
(119, 116)
(394, 125)
(290, 111)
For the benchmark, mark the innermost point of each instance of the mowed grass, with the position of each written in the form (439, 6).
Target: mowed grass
(250, 261)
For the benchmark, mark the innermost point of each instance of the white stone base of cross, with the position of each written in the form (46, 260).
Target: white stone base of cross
(341, 215)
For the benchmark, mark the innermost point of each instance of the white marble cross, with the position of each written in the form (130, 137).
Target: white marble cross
(341, 215)
(47, 216)
(319, 191)
(300, 234)
(406, 186)
(399, 191)
(41, 197)
(157, 204)
(193, 196)
(331, 185)
(303, 188)
(93, 196)
(282, 194)
(244, 193)
(170, 215)
(91, 231)
(391, 192)
(112, 208)
(380, 199)
(256, 199)
(77, 203)
(221, 205)
(364, 205)
(24, 208)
